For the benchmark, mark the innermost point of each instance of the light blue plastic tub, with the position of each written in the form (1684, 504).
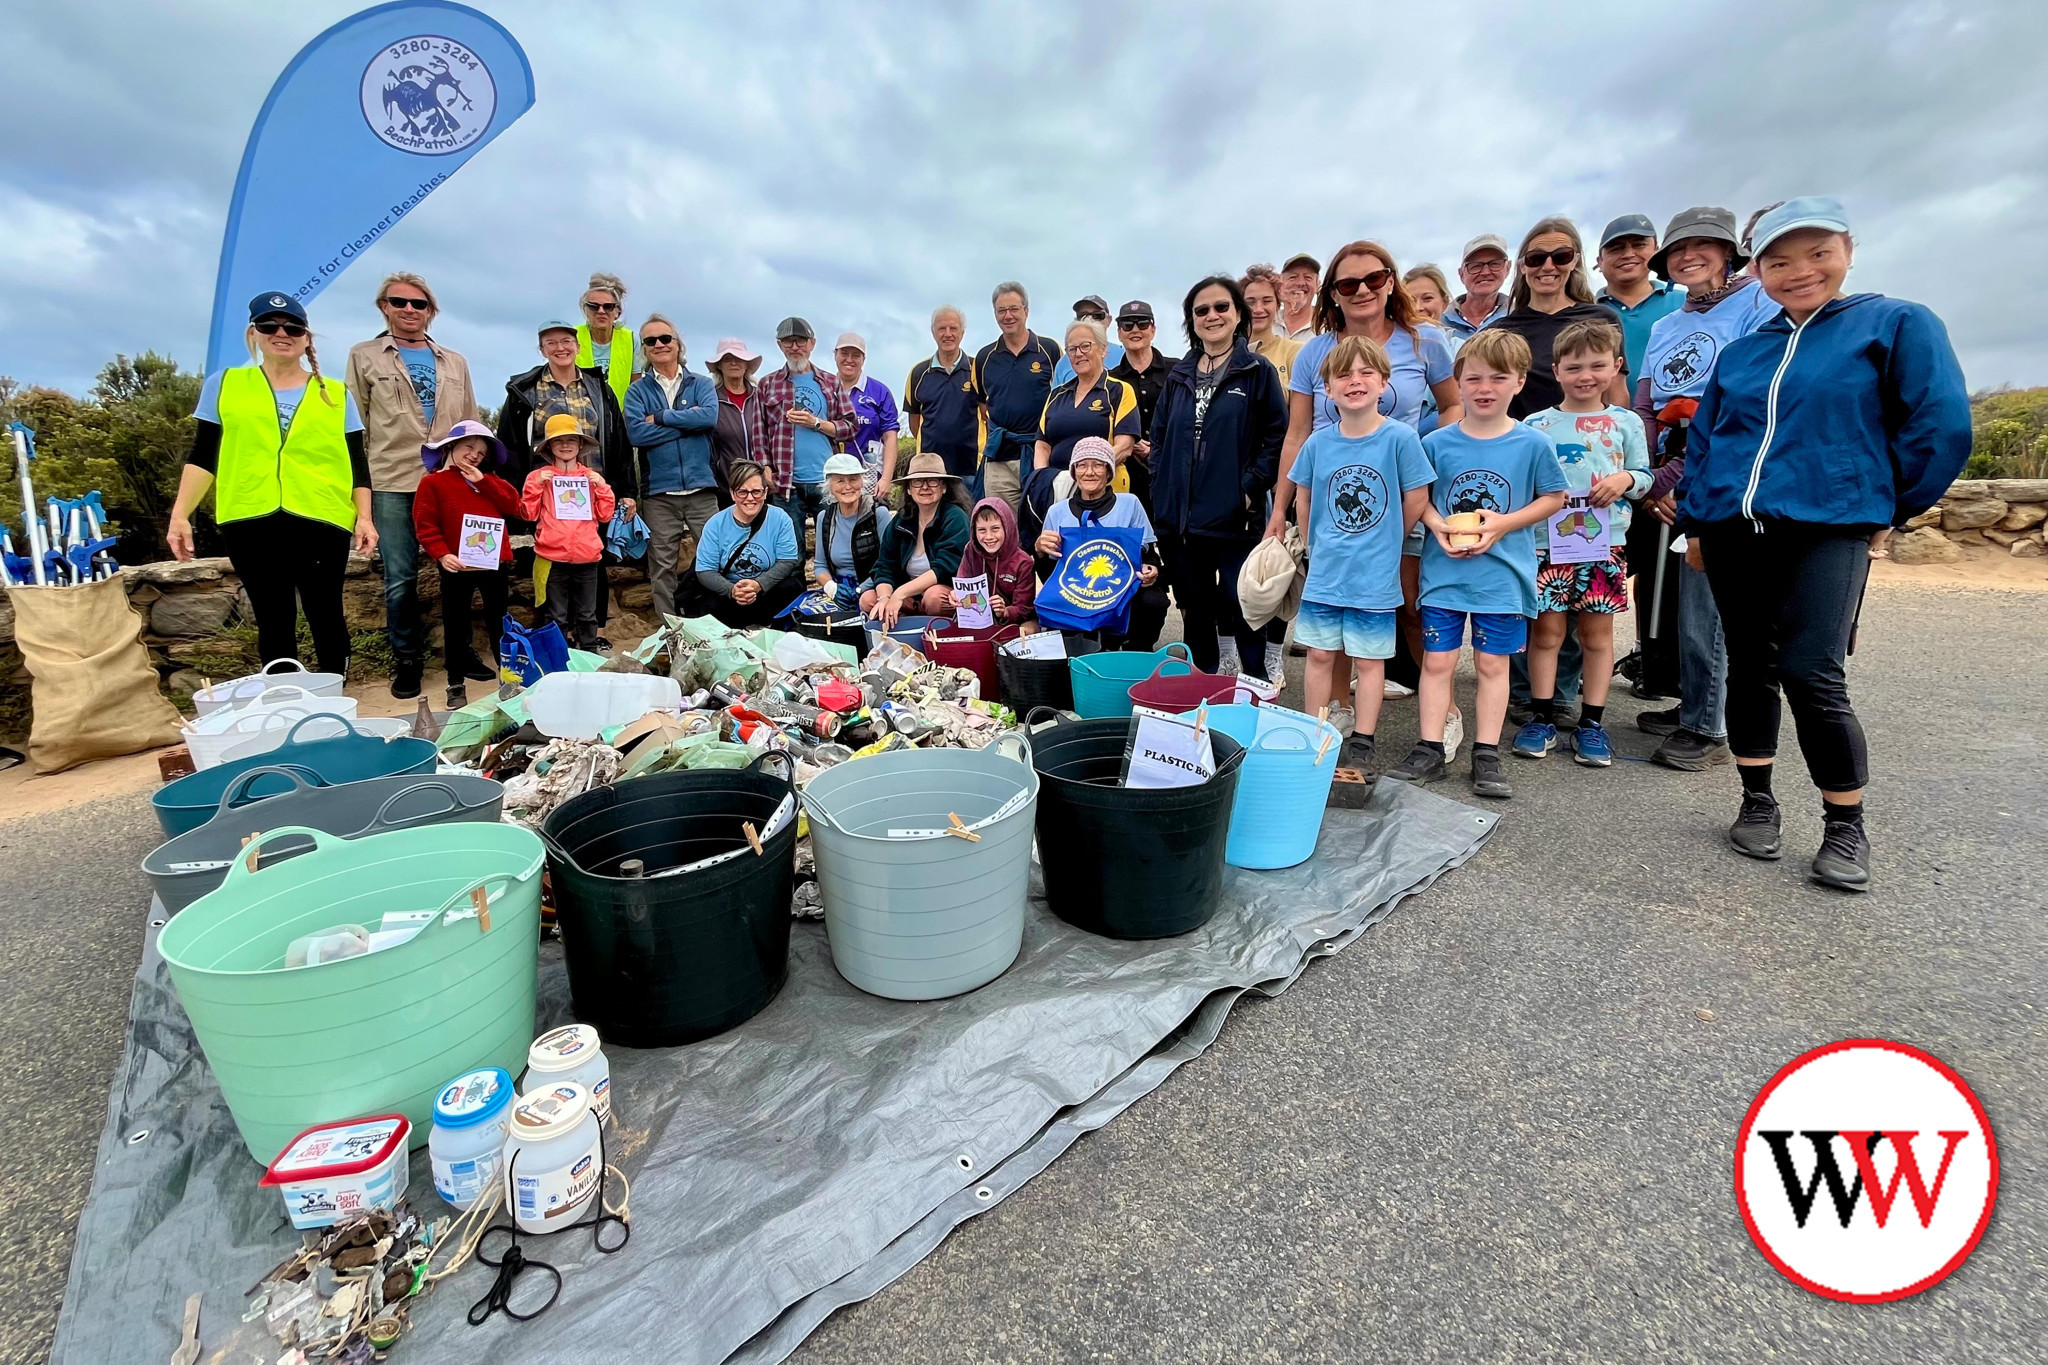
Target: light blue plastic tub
(1289, 762)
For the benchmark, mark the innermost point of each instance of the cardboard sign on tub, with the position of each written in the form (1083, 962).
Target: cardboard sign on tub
(1169, 751)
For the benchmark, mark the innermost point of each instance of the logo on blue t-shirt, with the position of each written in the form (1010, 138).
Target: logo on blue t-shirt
(1480, 490)
(1688, 361)
(1390, 400)
(1358, 498)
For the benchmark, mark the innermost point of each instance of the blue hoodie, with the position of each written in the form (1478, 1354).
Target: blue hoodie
(674, 442)
(1856, 417)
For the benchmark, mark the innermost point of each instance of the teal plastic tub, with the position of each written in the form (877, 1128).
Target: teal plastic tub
(349, 756)
(379, 1033)
(1103, 682)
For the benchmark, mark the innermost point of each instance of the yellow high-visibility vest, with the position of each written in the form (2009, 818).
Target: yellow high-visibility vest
(619, 372)
(305, 470)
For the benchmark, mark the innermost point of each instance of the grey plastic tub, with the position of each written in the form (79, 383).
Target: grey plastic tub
(912, 913)
(194, 863)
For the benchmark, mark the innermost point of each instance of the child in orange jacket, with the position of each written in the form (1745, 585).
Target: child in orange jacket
(568, 501)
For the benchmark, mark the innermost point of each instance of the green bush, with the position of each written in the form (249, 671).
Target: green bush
(2009, 434)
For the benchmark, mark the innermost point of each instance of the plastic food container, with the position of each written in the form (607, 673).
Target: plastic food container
(466, 1147)
(554, 1158)
(334, 1171)
(571, 1053)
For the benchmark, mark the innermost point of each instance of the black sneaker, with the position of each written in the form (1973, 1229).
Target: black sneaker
(1520, 713)
(1357, 753)
(1486, 775)
(479, 671)
(1642, 691)
(1690, 753)
(1844, 857)
(1423, 764)
(1658, 723)
(1755, 831)
(405, 678)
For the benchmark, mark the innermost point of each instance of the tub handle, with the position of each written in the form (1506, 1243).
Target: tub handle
(1023, 743)
(816, 810)
(1058, 718)
(246, 859)
(284, 692)
(291, 736)
(239, 788)
(554, 846)
(382, 819)
(296, 666)
(788, 764)
(473, 900)
(1299, 745)
(1179, 651)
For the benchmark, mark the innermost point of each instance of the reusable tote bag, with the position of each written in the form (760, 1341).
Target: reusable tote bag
(95, 694)
(1097, 576)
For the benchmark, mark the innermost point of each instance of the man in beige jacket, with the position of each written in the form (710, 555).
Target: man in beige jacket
(410, 389)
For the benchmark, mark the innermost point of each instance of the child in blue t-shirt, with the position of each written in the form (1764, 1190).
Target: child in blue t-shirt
(1495, 479)
(1606, 462)
(1359, 484)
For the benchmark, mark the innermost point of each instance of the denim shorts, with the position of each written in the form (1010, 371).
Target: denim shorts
(1353, 631)
(1493, 632)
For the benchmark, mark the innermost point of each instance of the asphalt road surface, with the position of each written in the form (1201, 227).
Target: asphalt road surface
(1498, 1128)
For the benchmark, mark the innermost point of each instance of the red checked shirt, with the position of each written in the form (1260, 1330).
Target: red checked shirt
(772, 440)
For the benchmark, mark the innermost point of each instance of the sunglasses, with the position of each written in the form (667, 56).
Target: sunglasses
(1374, 281)
(1133, 324)
(600, 307)
(421, 304)
(1561, 257)
(663, 340)
(1202, 310)
(270, 327)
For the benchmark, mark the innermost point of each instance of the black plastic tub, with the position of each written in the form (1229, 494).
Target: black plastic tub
(1125, 862)
(657, 961)
(1028, 684)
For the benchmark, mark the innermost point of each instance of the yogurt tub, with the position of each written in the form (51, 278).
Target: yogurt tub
(571, 1053)
(472, 1116)
(554, 1157)
(334, 1171)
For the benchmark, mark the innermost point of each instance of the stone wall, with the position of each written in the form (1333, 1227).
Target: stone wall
(2005, 515)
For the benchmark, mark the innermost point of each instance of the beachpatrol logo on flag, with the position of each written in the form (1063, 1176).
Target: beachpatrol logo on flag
(428, 95)
(1834, 1141)
(1095, 573)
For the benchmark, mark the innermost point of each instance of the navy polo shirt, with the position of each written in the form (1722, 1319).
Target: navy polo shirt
(1014, 387)
(949, 411)
(1108, 410)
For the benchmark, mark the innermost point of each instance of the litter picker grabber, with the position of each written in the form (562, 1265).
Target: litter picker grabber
(32, 527)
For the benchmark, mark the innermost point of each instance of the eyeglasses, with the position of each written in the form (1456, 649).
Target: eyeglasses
(1373, 281)
(1202, 310)
(927, 485)
(749, 494)
(1561, 257)
(663, 340)
(590, 307)
(1486, 265)
(423, 305)
(270, 327)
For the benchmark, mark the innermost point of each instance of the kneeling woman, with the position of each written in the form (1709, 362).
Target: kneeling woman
(1092, 466)
(748, 559)
(921, 549)
(1840, 417)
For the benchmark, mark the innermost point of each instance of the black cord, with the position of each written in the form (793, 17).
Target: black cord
(514, 1263)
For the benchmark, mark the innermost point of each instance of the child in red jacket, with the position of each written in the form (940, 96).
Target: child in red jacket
(459, 515)
(567, 501)
(996, 551)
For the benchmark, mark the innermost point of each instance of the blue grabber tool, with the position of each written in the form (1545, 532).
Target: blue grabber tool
(35, 570)
(78, 525)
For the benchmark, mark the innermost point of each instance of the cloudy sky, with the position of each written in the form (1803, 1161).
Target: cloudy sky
(859, 164)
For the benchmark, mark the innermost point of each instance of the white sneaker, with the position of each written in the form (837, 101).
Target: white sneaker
(1454, 735)
(1276, 664)
(1345, 719)
(1391, 689)
(1228, 664)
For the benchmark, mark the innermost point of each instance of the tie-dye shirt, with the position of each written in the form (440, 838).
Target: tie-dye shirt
(1592, 445)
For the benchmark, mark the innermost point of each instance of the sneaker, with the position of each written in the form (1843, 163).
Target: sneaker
(479, 671)
(1520, 713)
(1358, 753)
(1423, 764)
(1345, 719)
(1535, 740)
(405, 678)
(1392, 690)
(1658, 723)
(1642, 691)
(1454, 735)
(1276, 665)
(1690, 753)
(603, 646)
(1844, 857)
(1229, 663)
(1591, 747)
(1755, 831)
(1486, 775)
(458, 696)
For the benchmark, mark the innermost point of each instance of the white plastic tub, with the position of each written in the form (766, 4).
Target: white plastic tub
(269, 716)
(241, 691)
(334, 1171)
(579, 705)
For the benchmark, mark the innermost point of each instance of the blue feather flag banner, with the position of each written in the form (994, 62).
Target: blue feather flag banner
(368, 120)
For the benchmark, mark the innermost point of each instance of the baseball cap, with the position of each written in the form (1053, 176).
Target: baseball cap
(1301, 258)
(843, 463)
(273, 302)
(1091, 303)
(1809, 211)
(1485, 241)
(1137, 310)
(556, 326)
(1714, 224)
(1628, 225)
(852, 339)
(794, 329)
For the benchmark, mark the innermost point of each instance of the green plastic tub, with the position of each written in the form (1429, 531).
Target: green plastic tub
(375, 1034)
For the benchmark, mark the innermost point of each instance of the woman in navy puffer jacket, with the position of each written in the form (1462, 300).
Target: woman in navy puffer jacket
(1840, 417)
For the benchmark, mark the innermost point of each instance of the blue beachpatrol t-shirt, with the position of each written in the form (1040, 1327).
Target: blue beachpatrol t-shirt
(420, 368)
(1354, 512)
(1419, 362)
(775, 541)
(813, 447)
(1504, 474)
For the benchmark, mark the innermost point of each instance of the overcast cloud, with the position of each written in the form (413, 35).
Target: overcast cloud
(861, 164)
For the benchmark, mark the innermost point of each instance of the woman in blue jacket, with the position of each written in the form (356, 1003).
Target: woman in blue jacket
(1216, 438)
(670, 415)
(1840, 417)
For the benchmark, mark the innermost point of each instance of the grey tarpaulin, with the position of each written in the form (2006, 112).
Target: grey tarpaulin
(789, 1167)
